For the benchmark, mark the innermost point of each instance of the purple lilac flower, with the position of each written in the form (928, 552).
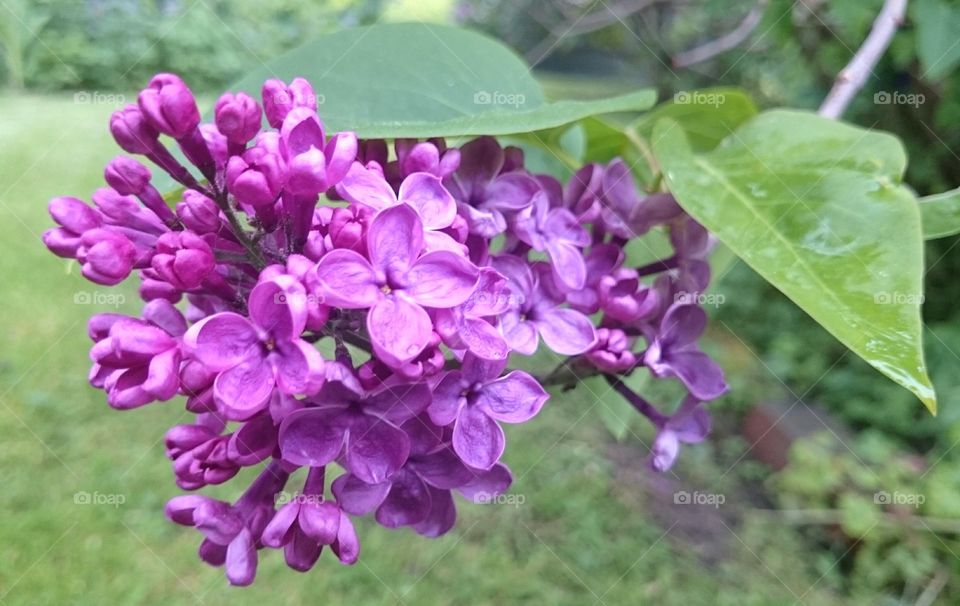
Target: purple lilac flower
(488, 193)
(537, 310)
(254, 355)
(690, 424)
(396, 283)
(673, 352)
(346, 422)
(475, 398)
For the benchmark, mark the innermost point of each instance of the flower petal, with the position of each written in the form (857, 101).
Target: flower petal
(312, 436)
(320, 521)
(357, 497)
(521, 335)
(244, 390)
(222, 340)
(567, 263)
(395, 239)
(701, 375)
(347, 280)
(514, 398)
(280, 528)
(488, 485)
(375, 449)
(279, 306)
(407, 503)
(448, 399)
(434, 204)
(399, 330)
(241, 563)
(347, 546)
(566, 331)
(441, 279)
(253, 442)
(363, 186)
(442, 517)
(483, 339)
(682, 324)
(298, 367)
(477, 439)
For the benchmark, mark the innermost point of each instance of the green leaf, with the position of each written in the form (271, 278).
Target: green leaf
(816, 207)
(937, 23)
(941, 214)
(419, 80)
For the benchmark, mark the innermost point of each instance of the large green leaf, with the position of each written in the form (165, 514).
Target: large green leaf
(941, 214)
(420, 80)
(816, 207)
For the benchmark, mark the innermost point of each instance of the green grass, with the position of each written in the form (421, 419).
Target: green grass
(583, 534)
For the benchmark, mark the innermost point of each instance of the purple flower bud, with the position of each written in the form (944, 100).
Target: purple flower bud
(74, 218)
(183, 259)
(237, 117)
(198, 213)
(256, 177)
(168, 106)
(127, 176)
(279, 99)
(107, 256)
(131, 131)
(612, 352)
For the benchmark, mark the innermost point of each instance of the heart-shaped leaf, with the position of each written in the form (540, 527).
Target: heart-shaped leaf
(816, 207)
(420, 80)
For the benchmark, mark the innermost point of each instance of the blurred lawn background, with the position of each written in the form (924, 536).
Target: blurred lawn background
(594, 526)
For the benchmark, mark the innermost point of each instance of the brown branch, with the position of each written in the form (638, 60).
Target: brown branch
(726, 42)
(852, 78)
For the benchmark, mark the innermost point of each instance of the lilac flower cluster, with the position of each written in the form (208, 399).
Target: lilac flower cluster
(420, 270)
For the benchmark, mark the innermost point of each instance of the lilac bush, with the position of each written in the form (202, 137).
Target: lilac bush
(421, 271)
